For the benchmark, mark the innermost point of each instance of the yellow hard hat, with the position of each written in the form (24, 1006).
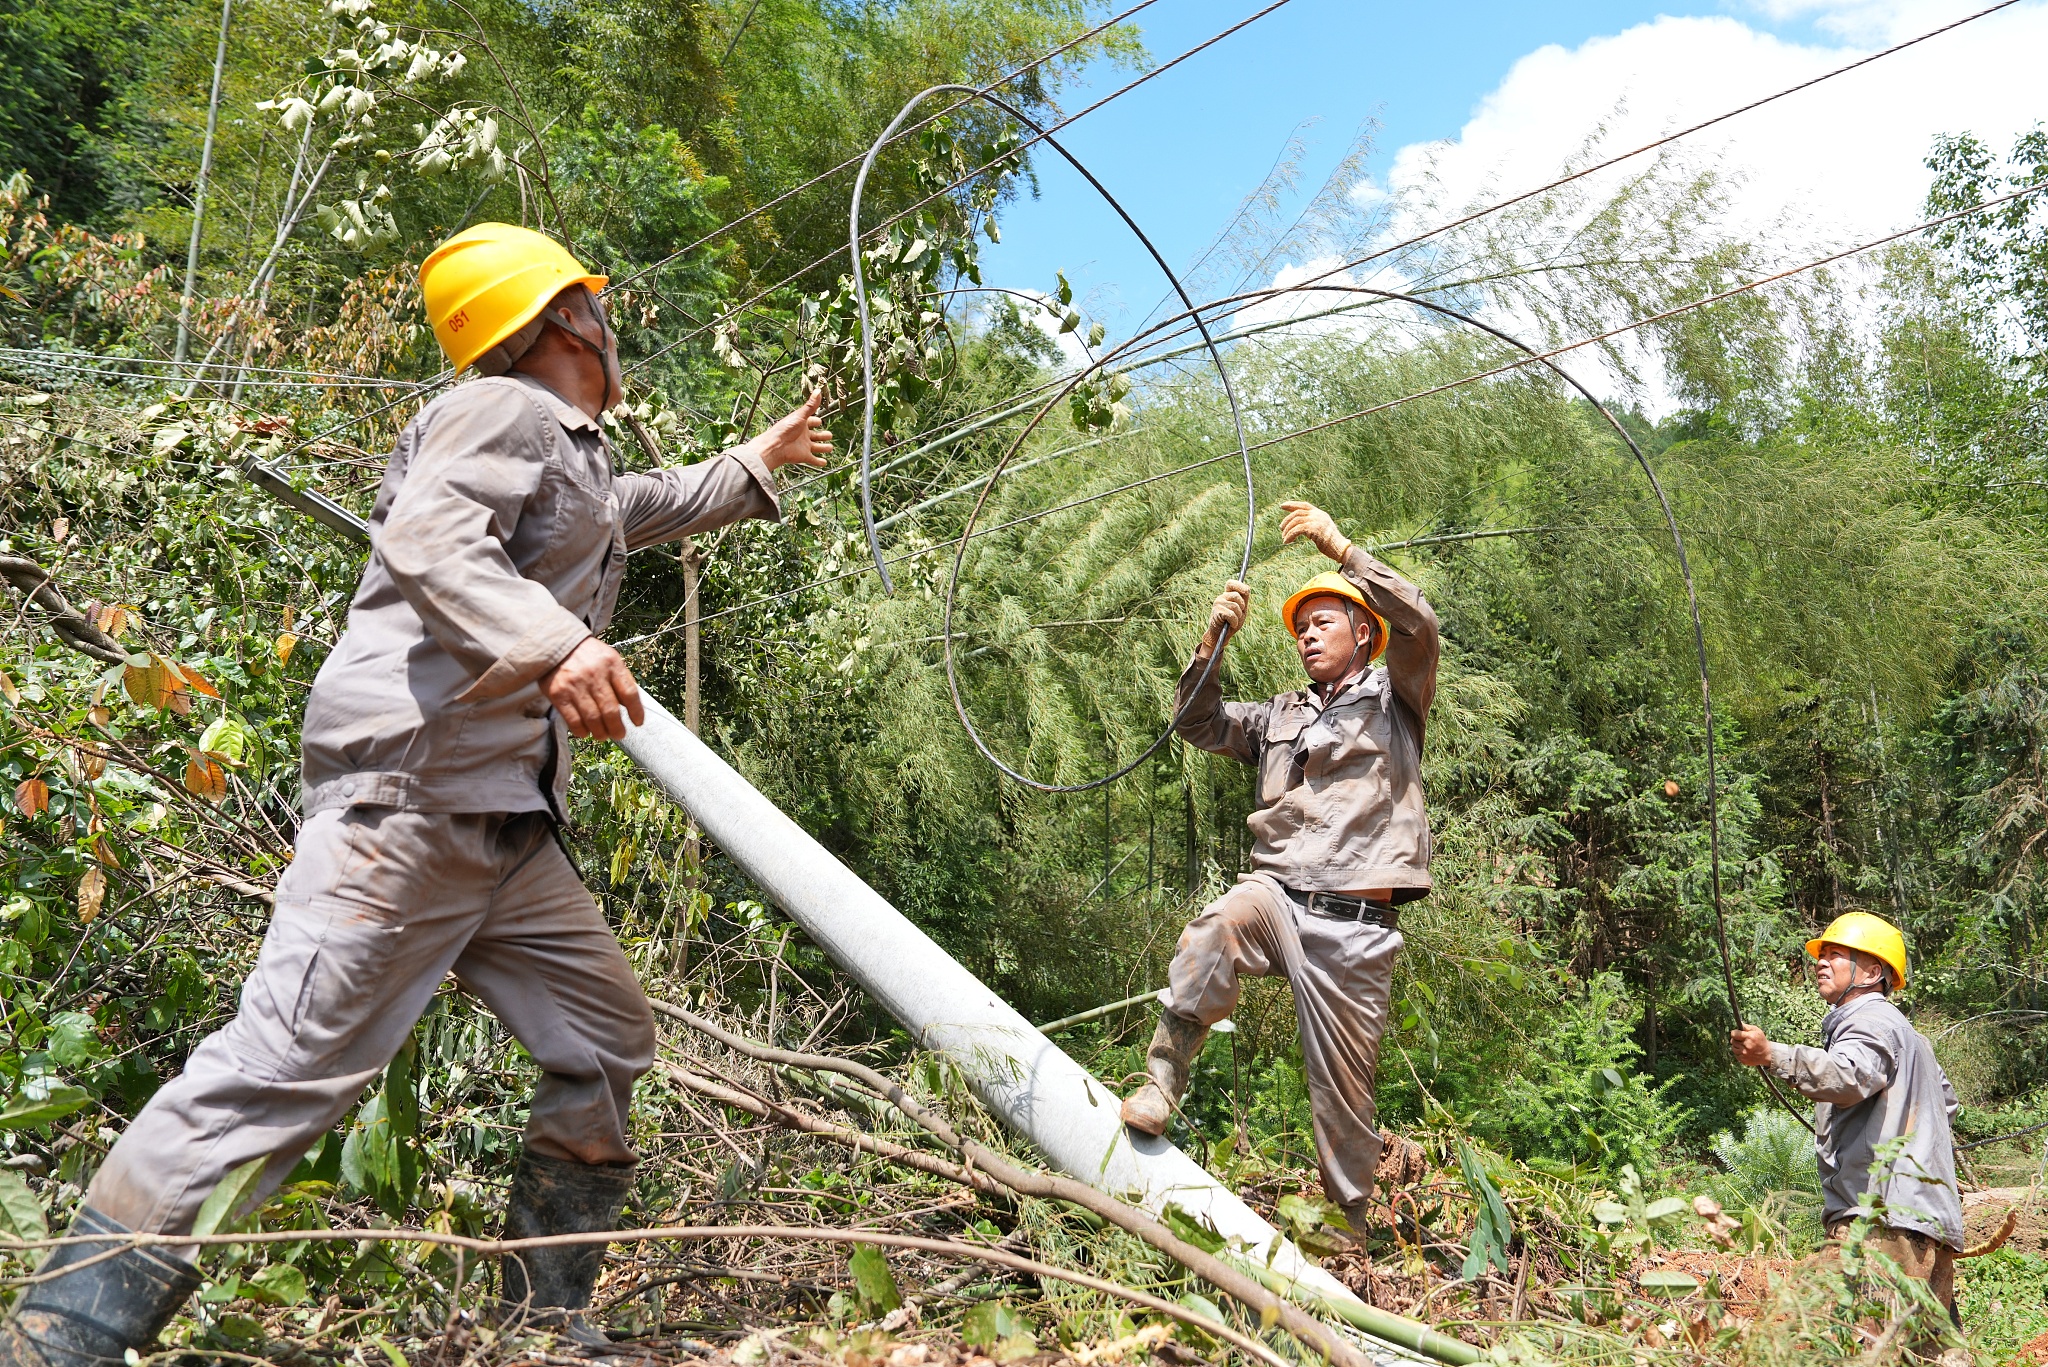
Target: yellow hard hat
(1331, 582)
(487, 282)
(1872, 935)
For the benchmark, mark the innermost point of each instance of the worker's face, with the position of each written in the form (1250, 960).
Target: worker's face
(1837, 970)
(1329, 644)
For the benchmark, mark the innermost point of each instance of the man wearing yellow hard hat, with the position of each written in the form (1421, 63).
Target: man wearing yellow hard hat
(1340, 841)
(436, 757)
(1875, 1081)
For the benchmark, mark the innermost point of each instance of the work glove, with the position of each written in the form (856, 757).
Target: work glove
(1306, 520)
(1229, 611)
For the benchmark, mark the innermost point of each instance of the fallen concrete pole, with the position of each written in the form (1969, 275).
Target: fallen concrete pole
(1024, 1078)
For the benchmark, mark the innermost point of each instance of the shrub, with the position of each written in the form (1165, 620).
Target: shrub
(1578, 1098)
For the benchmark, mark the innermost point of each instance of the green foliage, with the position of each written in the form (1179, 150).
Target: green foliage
(994, 1325)
(70, 74)
(1772, 1155)
(2003, 1296)
(874, 1285)
(1492, 1230)
(1579, 1097)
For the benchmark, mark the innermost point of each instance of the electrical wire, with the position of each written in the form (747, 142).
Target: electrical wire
(1616, 160)
(936, 195)
(1429, 233)
(1653, 145)
(851, 162)
(1274, 292)
(1531, 357)
(226, 367)
(867, 508)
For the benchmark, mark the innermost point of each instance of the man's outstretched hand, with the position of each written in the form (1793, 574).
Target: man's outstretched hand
(1305, 519)
(594, 691)
(799, 438)
(1751, 1048)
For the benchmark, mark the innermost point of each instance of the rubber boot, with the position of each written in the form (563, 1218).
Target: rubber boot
(1356, 1217)
(1174, 1046)
(93, 1316)
(549, 1288)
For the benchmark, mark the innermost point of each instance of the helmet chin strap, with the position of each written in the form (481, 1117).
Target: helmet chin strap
(1855, 971)
(1351, 619)
(607, 357)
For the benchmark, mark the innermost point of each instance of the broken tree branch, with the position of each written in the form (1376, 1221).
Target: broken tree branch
(39, 587)
(1239, 1285)
(491, 1248)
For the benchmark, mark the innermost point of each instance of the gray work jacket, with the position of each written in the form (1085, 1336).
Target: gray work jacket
(1874, 1079)
(497, 545)
(1340, 783)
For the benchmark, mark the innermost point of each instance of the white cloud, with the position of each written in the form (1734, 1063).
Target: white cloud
(1844, 159)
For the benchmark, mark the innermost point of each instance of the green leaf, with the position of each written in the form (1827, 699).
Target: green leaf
(39, 1102)
(21, 1214)
(1299, 1215)
(1065, 293)
(74, 1039)
(1493, 1231)
(277, 1284)
(1665, 1209)
(401, 1090)
(873, 1284)
(1669, 1282)
(1610, 1212)
(228, 1196)
(365, 1160)
(991, 1322)
(1194, 1229)
(227, 737)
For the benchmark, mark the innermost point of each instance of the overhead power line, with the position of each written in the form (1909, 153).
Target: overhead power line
(936, 195)
(436, 381)
(1475, 377)
(1417, 239)
(855, 160)
(1656, 143)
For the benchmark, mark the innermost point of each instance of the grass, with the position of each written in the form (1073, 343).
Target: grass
(2004, 1299)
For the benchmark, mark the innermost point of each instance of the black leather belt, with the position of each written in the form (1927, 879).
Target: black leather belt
(1337, 907)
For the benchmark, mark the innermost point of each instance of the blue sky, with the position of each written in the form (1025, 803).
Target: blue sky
(1182, 151)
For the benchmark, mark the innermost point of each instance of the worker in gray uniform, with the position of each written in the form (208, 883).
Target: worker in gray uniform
(436, 756)
(1340, 841)
(1875, 1083)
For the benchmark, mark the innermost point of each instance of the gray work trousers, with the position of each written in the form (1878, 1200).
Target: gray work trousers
(377, 907)
(1342, 973)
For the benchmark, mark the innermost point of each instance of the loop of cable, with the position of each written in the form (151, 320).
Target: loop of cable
(867, 441)
(1198, 316)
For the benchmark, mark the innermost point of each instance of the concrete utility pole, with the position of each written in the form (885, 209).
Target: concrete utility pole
(1023, 1077)
(220, 62)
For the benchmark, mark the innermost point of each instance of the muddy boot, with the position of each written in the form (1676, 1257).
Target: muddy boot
(1174, 1046)
(1402, 1163)
(1357, 1218)
(92, 1317)
(549, 1288)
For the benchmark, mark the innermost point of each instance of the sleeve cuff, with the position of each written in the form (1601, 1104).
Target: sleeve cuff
(1782, 1060)
(762, 476)
(529, 657)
